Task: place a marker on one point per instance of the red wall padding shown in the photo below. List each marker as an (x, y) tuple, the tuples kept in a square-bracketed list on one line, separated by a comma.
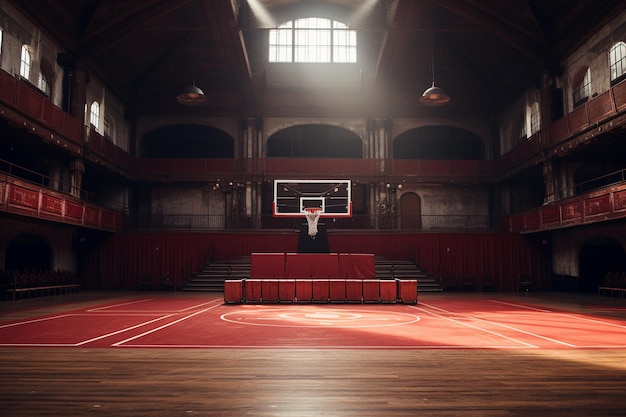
[(357, 265), (125, 260), (267, 265)]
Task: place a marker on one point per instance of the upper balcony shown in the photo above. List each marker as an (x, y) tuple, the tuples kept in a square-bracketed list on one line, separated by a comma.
[(601, 205), (32, 200), (27, 108)]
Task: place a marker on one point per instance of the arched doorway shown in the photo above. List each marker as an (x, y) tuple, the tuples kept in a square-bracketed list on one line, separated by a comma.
[(596, 258), (410, 211), (28, 252)]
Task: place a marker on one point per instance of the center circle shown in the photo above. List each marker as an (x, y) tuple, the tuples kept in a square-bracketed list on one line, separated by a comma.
[(305, 316), (322, 316)]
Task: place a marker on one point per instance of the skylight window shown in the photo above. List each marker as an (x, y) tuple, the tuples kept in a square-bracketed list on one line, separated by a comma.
[(312, 40)]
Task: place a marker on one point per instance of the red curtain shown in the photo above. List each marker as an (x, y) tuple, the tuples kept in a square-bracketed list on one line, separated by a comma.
[(125, 261)]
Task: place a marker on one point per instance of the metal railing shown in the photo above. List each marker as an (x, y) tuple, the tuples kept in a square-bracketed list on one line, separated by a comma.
[(612, 178)]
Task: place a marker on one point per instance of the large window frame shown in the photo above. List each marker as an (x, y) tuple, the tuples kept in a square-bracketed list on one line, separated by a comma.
[(617, 62), (26, 61), (312, 40)]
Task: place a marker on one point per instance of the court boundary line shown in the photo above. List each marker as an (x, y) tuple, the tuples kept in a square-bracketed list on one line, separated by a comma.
[(507, 327), (95, 310), (326, 347), (125, 330), (425, 308), (104, 336), (562, 314), (580, 317), (121, 342), (528, 345), (541, 310)]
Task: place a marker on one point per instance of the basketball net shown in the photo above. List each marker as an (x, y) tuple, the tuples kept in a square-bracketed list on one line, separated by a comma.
[(312, 216)]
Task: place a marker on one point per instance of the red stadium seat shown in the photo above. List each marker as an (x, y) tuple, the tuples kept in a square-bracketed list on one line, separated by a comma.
[(371, 291), (253, 290), (407, 291), (304, 290), (354, 290), (269, 290), (337, 290), (233, 291), (320, 290), (388, 291), (286, 290)]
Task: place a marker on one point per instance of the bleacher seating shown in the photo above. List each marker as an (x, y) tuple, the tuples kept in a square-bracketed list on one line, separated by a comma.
[(317, 278), (37, 283), (613, 284), (320, 290)]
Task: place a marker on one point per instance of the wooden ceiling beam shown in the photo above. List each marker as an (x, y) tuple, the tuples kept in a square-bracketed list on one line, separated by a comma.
[(222, 17), (512, 33), (97, 41), (403, 23)]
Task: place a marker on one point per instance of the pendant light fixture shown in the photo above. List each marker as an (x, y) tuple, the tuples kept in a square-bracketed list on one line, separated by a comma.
[(192, 95), (433, 96)]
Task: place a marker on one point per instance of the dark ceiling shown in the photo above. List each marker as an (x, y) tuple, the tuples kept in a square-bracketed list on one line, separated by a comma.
[(485, 51)]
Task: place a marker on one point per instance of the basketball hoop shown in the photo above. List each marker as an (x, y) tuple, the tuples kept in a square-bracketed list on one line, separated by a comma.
[(312, 215)]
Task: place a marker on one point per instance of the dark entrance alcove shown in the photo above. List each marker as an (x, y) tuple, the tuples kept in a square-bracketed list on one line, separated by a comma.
[(27, 252), (597, 257)]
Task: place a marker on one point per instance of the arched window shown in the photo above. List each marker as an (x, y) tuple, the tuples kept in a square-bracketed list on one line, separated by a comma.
[(582, 88), (617, 62), (438, 143), (187, 141), (94, 115), (312, 39), (25, 62), (314, 141)]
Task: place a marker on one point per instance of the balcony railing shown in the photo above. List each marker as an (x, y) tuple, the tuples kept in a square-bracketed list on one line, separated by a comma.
[(55, 185), (217, 222), (604, 204), (31, 200)]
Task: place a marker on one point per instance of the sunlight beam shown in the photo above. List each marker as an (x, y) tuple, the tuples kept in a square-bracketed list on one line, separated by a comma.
[(261, 13)]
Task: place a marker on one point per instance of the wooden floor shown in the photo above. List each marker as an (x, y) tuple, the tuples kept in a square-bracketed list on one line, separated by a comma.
[(299, 383)]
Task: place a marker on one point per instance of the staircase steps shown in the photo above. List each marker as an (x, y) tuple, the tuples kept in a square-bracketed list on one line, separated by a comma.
[(405, 269), (211, 278)]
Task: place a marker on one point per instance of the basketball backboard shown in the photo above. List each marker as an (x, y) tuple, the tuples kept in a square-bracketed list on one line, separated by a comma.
[(293, 197)]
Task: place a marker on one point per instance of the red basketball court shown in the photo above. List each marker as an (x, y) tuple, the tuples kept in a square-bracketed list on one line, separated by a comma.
[(436, 322)]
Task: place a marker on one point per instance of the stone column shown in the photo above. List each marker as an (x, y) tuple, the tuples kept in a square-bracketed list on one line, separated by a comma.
[(252, 150), (78, 99), (77, 169), (378, 131)]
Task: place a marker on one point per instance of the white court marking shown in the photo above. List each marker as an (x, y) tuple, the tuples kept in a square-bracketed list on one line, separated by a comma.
[(339, 318), (528, 333)]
